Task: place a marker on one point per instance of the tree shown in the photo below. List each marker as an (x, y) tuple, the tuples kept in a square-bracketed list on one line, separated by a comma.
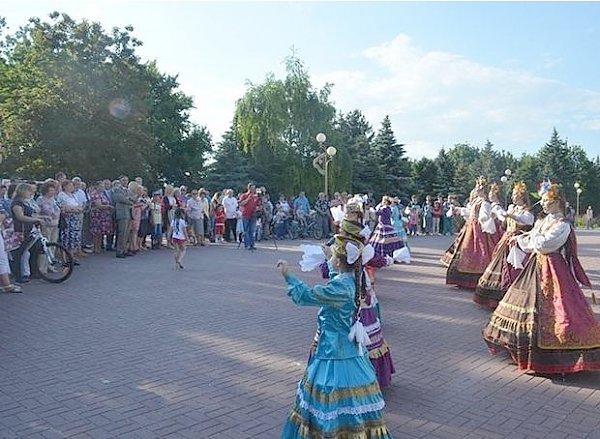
[(276, 123), (392, 169), (231, 166), (77, 99), (357, 134), (463, 158)]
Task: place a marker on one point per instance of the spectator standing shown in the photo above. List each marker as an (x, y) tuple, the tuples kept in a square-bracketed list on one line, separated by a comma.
[(48, 207), (24, 218), (250, 203), (82, 197), (589, 217), (230, 205), (569, 214), (436, 214), (136, 216), (5, 285), (156, 219), (124, 201), (196, 216), (219, 223), (101, 216), (71, 219), (214, 203), (110, 237), (5, 201), (322, 208)]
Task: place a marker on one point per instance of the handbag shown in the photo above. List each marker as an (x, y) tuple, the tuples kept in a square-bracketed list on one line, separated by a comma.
[(12, 239)]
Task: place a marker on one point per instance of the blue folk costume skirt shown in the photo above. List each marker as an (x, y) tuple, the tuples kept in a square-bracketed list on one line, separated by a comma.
[(337, 399)]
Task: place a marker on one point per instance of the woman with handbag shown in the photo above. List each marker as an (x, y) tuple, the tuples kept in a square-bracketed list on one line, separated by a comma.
[(24, 218)]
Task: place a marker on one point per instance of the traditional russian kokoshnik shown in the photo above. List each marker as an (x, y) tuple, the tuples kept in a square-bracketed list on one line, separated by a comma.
[(338, 396), (544, 321)]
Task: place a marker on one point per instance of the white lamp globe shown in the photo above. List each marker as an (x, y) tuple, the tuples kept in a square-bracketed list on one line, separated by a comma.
[(331, 151), (503, 179), (576, 185), (508, 172), (579, 191), (321, 138)]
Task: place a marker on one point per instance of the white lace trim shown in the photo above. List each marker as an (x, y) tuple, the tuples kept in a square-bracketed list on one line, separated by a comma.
[(333, 414), (373, 327)]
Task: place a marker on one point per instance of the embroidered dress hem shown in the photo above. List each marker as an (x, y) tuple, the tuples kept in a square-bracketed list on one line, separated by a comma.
[(545, 322), (337, 399)]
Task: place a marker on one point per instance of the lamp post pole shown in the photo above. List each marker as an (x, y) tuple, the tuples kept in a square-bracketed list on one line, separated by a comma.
[(578, 190), (327, 155), (504, 179)]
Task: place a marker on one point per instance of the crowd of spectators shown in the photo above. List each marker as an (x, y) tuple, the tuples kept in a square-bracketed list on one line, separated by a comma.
[(124, 217)]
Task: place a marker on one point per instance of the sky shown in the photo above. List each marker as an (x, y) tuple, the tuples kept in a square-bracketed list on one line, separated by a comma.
[(445, 72)]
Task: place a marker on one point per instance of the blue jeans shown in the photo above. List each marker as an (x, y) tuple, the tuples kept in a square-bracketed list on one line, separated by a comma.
[(249, 232)]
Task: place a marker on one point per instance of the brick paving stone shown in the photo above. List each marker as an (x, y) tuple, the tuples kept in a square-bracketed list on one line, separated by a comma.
[(133, 349)]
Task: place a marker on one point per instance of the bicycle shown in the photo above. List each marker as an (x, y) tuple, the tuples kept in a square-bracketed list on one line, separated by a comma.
[(51, 261), (307, 229)]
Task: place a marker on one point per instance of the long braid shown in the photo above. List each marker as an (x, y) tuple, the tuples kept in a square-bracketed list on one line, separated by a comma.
[(360, 285)]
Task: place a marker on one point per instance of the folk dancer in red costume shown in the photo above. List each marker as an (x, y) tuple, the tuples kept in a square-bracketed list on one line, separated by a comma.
[(544, 321), (505, 266), (472, 250)]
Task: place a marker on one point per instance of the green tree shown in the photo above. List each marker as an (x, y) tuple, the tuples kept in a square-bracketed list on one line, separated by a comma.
[(357, 134), (76, 98), (392, 171), (230, 168), (276, 123)]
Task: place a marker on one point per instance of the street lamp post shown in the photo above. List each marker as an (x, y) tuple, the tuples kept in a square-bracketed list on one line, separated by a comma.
[(578, 190), (504, 179), (326, 156)]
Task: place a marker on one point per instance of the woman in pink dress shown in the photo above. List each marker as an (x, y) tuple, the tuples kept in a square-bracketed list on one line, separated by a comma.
[(472, 250), (101, 221)]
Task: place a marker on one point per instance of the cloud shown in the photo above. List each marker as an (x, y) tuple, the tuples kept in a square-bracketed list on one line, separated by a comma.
[(440, 98)]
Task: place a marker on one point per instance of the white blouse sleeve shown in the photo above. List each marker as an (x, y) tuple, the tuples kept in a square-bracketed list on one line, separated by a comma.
[(547, 242), (485, 218), (524, 218), (498, 212)]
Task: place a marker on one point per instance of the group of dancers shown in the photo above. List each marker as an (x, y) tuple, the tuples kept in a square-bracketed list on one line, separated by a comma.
[(529, 275)]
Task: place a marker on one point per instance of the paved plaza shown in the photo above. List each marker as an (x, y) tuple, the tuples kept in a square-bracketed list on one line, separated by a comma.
[(135, 349)]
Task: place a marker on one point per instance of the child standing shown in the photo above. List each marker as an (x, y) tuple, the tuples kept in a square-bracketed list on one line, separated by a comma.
[(179, 236), (219, 223), (156, 219)]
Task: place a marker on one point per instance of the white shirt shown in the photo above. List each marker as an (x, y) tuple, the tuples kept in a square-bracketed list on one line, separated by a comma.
[(230, 205), (547, 236), (178, 226), (80, 196), (68, 200)]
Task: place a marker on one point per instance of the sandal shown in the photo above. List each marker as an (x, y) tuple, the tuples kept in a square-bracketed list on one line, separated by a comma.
[(12, 288)]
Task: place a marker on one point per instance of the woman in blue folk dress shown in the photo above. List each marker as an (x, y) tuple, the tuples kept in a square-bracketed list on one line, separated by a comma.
[(338, 396)]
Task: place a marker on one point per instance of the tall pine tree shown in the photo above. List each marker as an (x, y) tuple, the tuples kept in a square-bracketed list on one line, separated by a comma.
[(392, 168)]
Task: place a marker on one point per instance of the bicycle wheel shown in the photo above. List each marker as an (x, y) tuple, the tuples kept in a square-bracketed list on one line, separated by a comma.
[(293, 231), (317, 232), (58, 263)]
